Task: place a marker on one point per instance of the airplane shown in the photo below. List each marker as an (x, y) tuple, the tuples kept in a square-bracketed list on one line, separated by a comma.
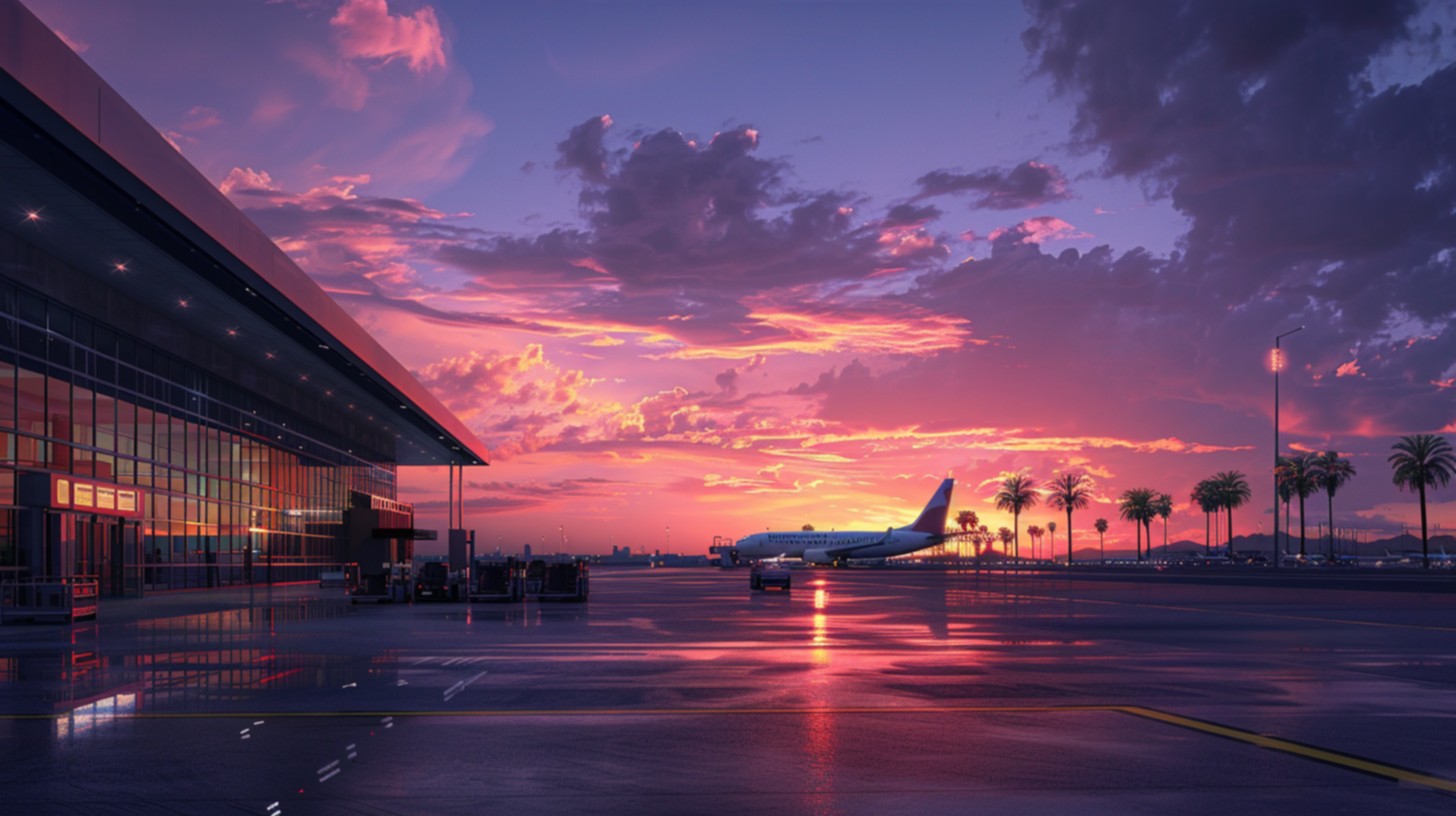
[(1409, 557), (837, 547)]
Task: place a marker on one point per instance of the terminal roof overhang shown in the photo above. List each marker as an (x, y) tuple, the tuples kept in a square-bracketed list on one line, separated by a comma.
[(114, 191)]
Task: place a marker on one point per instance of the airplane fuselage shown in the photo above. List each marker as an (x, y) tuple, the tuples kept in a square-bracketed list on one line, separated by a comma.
[(806, 545), (836, 547)]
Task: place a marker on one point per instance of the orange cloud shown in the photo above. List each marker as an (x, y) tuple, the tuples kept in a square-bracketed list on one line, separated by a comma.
[(907, 330)]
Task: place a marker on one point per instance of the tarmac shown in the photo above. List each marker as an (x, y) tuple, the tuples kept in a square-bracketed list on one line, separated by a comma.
[(680, 691)]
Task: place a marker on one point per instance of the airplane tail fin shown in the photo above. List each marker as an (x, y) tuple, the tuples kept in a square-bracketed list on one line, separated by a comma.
[(932, 518)]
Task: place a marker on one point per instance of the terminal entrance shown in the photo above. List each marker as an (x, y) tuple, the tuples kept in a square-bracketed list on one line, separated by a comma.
[(81, 530), (101, 546)]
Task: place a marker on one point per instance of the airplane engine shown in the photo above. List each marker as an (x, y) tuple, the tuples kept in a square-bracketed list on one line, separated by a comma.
[(818, 557)]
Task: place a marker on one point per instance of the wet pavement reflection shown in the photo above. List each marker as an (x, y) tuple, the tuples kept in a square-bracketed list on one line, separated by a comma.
[(682, 691)]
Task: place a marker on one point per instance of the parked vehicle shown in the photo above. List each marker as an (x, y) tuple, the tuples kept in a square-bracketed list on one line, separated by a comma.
[(765, 576), (435, 582), (347, 576), (497, 580), (383, 586), (559, 581)]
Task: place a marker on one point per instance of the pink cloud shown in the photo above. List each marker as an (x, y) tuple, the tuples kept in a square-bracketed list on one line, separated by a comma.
[(347, 84), (366, 30), (440, 151), (201, 117), (350, 242), (1039, 230), (519, 402), (901, 241), (271, 107), (242, 179)]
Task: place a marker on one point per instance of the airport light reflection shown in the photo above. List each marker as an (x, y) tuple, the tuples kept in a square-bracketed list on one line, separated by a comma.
[(85, 718), (821, 626)]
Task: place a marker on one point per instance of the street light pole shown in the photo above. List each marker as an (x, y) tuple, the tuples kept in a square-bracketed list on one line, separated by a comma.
[(1278, 364)]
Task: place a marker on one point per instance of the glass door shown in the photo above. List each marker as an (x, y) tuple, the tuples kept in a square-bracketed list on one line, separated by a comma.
[(126, 559)]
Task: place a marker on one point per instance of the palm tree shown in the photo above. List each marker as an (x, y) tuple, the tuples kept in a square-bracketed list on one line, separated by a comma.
[(1052, 531), (1203, 496), (1035, 533), (983, 537), (1163, 506), (966, 519), (1297, 472), (1070, 491), (1006, 537), (1148, 522), (1101, 526), (1018, 492), (1422, 460), (1332, 471), (1285, 488), (1233, 491), (1136, 505)]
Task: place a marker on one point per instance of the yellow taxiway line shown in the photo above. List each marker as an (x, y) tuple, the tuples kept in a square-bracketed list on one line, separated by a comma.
[(1330, 757)]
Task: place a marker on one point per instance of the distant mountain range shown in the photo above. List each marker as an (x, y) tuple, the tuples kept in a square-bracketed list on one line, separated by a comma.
[(1312, 544), (1261, 542)]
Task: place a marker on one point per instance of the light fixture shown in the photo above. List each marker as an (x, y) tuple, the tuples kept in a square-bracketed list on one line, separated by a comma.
[(32, 216)]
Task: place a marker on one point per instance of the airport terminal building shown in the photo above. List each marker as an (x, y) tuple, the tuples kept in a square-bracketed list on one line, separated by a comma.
[(180, 405)]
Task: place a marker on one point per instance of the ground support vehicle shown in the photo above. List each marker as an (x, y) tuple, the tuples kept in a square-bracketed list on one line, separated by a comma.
[(558, 580), (434, 581), (497, 580), (384, 586), (346, 577), (769, 576)]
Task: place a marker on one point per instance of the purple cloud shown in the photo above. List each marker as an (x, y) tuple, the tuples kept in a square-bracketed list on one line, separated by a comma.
[(1029, 184)]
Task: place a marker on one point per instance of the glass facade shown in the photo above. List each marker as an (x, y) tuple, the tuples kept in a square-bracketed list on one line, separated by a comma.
[(243, 475)]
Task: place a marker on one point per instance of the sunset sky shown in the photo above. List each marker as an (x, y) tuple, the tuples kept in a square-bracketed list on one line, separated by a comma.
[(722, 267)]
